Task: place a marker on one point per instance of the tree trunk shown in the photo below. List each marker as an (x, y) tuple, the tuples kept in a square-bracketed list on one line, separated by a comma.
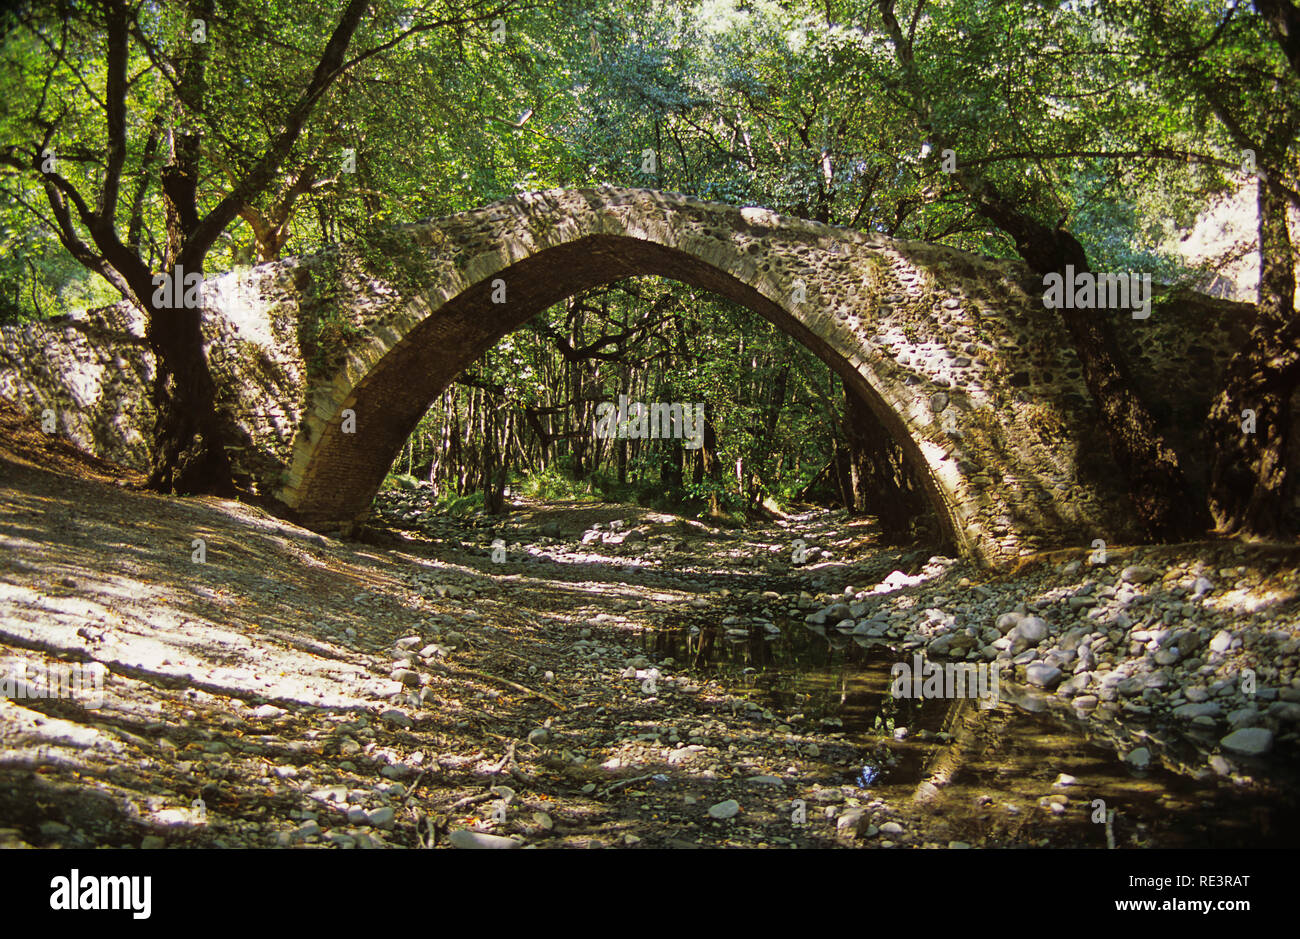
[(189, 454), (880, 482), (709, 464), (1248, 478)]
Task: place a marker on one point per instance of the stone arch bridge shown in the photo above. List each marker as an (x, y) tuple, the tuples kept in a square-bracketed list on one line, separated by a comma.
[(955, 354)]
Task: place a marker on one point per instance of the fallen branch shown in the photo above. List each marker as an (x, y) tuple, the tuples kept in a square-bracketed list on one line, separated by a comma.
[(483, 676), (410, 794), (509, 757), (471, 800), (626, 782)]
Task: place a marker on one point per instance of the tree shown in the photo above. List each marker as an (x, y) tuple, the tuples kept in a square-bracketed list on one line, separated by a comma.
[(1158, 487), (126, 93), (1242, 69)]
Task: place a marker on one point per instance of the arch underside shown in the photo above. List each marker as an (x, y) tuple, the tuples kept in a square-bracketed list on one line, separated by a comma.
[(344, 471), (955, 355)]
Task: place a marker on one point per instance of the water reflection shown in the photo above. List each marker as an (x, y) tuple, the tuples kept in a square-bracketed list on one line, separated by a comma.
[(991, 776)]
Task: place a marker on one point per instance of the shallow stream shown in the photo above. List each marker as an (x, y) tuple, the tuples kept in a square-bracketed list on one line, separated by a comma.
[(990, 775)]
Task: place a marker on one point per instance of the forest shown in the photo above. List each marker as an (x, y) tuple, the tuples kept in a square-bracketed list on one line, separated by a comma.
[(1087, 134)]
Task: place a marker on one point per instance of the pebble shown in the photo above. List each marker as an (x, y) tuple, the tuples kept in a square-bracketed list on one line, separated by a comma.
[(1249, 741), (308, 829), (406, 676), (852, 823), (728, 809), (1139, 574), (463, 838), (1043, 675), (1008, 621), (394, 716)]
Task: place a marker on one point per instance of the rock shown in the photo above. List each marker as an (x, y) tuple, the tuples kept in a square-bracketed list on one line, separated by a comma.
[(1287, 711), (852, 823), (1045, 676), (1033, 628), (356, 815), (1008, 621), (406, 676), (1065, 779), (728, 809), (539, 736), (1139, 758), (382, 817), (1243, 717), (268, 712), (1139, 574), (891, 828), (463, 838), (308, 829), (766, 780), (1196, 709), (1221, 642), (941, 646), (926, 792), (1167, 657), (395, 717), (1249, 741)]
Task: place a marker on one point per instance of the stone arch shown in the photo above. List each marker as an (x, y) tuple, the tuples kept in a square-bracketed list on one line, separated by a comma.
[(953, 353)]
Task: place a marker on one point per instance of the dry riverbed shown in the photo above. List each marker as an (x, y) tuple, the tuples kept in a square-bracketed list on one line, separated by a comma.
[(611, 676)]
